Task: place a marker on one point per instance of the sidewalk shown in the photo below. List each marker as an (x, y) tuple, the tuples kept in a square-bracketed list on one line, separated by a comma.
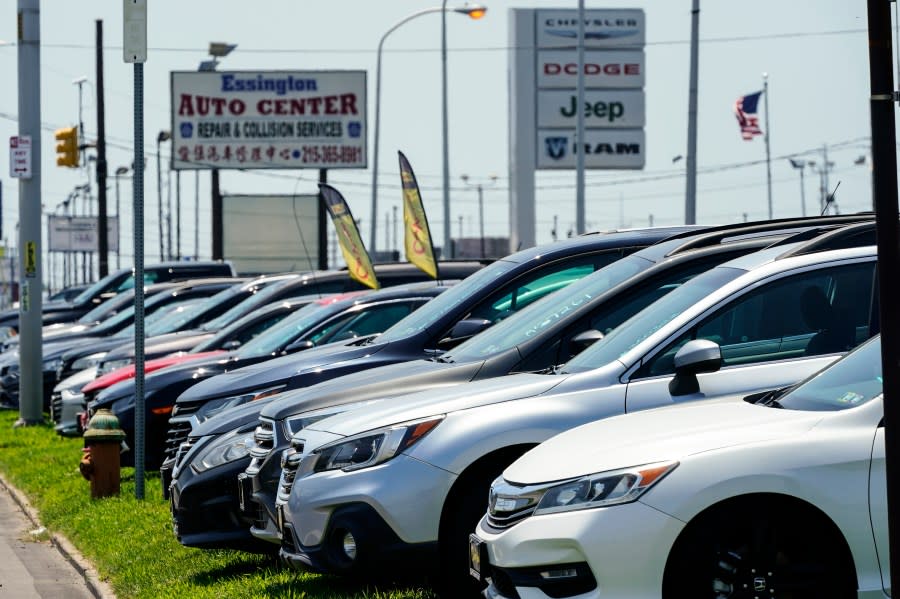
[(34, 564)]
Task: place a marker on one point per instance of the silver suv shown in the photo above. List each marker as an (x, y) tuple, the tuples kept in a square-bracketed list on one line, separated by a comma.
[(376, 487)]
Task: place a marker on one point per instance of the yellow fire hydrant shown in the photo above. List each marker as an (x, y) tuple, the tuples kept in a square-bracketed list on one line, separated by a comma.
[(101, 462)]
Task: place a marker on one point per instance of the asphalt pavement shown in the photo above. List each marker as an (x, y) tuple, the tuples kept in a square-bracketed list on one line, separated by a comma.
[(35, 564)]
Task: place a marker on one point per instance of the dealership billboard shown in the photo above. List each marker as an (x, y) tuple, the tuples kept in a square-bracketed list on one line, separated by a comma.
[(268, 119), (544, 106), (79, 233)]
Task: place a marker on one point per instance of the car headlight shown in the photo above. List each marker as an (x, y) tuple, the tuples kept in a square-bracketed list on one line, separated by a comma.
[(51, 365), (105, 367), (215, 406), (87, 361), (373, 447), (228, 448), (603, 489)]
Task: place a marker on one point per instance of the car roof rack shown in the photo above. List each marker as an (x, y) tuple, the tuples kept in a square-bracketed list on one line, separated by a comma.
[(715, 235), (848, 236)]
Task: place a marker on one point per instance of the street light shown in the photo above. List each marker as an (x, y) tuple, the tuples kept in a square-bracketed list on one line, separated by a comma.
[(480, 188), (474, 12), (160, 138), (801, 166), (119, 172)]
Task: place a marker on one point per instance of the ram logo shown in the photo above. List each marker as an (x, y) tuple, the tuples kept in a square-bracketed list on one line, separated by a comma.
[(556, 147)]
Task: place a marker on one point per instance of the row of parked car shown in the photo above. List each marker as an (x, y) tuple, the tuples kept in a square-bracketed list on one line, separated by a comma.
[(498, 436)]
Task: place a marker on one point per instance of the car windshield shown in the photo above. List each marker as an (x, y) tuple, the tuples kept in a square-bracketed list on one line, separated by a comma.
[(850, 382), (95, 289), (428, 314), (174, 320), (260, 298), (649, 320), (286, 331), (546, 312), (152, 317), (102, 311)]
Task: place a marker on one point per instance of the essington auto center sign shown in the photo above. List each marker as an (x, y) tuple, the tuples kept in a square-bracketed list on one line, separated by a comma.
[(268, 119)]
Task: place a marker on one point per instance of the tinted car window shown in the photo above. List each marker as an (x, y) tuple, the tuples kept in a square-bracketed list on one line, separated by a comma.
[(813, 313)]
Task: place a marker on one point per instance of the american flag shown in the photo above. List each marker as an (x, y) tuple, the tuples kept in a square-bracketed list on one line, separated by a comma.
[(745, 111)]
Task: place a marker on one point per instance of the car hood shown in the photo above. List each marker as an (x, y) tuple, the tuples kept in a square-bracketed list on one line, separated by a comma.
[(375, 383), (438, 401), (271, 372), (164, 377), (127, 372), (231, 419), (669, 433)]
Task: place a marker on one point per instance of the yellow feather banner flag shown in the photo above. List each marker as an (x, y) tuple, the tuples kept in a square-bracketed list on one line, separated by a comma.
[(355, 255), (417, 243)]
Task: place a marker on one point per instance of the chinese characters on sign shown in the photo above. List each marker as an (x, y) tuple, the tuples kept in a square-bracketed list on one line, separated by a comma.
[(269, 119)]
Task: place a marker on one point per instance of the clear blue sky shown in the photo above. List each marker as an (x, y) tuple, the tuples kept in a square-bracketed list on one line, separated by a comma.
[(814, 51)]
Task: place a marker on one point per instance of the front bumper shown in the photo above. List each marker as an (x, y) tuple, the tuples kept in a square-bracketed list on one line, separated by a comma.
[(392, 507), (205, 510), (66, 406), (624, 549)]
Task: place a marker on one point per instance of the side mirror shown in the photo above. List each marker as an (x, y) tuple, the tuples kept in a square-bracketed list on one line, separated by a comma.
[(298, 346), (695, 357), (462, 330), (584, 340)]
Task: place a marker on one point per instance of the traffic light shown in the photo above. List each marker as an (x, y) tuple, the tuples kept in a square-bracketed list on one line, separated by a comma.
[(67, 148)]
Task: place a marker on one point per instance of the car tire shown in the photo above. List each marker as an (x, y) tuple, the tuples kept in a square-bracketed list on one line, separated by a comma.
[(760, 549)]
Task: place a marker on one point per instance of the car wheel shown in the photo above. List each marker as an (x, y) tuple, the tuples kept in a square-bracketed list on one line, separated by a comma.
[(759, 551)]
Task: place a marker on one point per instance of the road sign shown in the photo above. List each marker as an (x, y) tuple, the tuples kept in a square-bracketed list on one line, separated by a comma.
[(20, 156)]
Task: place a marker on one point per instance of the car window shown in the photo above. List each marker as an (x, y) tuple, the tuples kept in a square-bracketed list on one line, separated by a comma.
[(814, 313), (150, 277), (849, 382), (368, 322)]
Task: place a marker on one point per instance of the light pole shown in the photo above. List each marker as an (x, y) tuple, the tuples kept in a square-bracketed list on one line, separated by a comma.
[(473, 12), (160, 138), (119, 172), (216, 50), (480, 188), (801, 166)]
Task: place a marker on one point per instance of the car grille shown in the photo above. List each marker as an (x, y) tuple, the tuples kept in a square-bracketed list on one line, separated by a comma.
[(262, 517), (179, 429), (183, 450), (290, 461), (509, 504), (263, 444), (510, 519), (56, 407)]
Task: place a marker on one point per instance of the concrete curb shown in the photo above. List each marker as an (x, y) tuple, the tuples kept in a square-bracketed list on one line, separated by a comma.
[(97, 587)]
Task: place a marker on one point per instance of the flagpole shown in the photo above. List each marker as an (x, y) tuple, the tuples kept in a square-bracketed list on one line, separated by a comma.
[(768, 155)]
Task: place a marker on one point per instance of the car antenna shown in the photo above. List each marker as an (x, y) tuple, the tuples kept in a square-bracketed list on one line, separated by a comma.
[(830, 200)]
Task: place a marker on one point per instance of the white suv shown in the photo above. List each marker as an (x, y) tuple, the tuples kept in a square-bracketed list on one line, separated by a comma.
[(782, 497), (380, 486)]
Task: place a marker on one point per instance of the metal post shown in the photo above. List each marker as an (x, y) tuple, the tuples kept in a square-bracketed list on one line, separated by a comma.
[(690, 199), (884, 174), (102, 227), (444, 135), (178, 215), (218, 250), (159, 217), (375, 142), (30, 306), (768, 155), (802, 192), (138, 211), (579, 127), (118, 228), (481, 216), (323, 224), (196, 215), (169, 214)]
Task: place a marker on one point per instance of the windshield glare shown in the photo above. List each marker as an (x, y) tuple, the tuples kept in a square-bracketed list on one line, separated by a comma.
[(546, 312), (285, 332), (428, 314), (246, 306), (651, 319), (849, 382), (152, 317)]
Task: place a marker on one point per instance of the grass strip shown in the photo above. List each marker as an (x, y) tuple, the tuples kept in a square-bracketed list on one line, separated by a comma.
[(130, 542)]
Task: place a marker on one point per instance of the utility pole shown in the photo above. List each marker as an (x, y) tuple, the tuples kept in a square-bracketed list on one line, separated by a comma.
[(690, 208)]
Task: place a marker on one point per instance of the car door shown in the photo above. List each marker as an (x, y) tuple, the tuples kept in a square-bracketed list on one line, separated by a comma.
[(878, 506), (769, 338)]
